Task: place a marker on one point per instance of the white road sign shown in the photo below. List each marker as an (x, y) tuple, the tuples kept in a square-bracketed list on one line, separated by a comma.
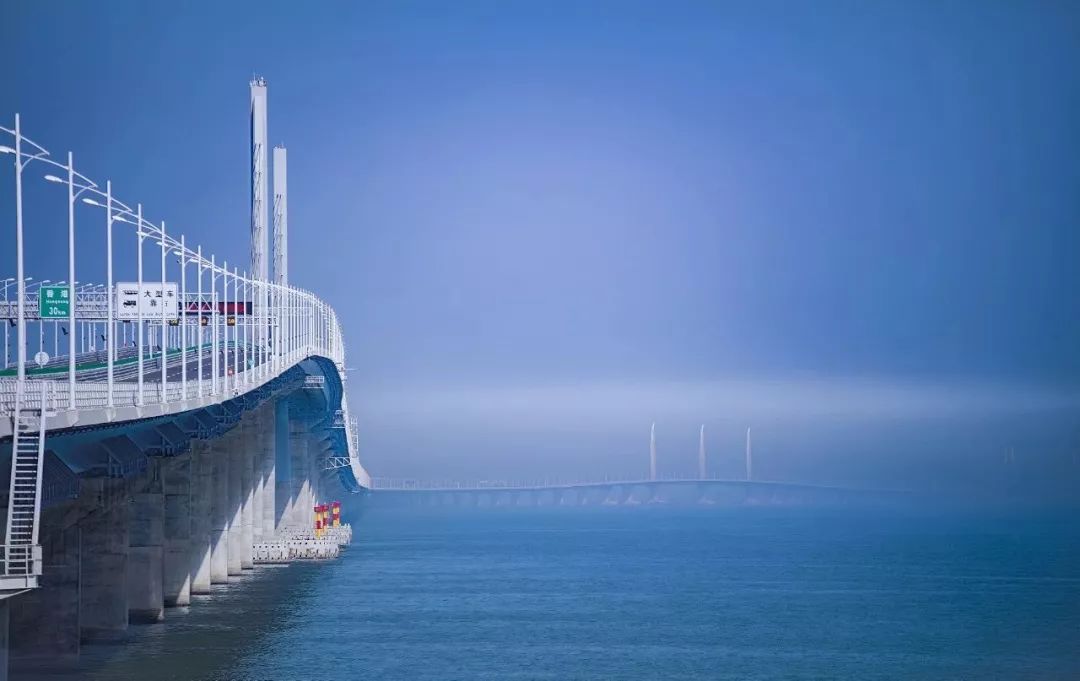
[(154, 299)]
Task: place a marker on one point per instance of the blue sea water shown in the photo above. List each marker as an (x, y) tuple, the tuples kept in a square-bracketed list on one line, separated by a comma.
[(644, 593)]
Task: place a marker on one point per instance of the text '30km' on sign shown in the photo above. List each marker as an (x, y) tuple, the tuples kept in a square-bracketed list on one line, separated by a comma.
[(54, 302)]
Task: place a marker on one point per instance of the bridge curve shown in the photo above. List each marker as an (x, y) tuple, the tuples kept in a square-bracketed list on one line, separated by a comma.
[(188, 425)]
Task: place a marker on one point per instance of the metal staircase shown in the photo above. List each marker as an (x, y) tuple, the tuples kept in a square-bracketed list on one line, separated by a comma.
[(21, 551)]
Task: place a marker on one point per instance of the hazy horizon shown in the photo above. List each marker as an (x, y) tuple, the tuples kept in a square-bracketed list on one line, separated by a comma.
[(544, 226)]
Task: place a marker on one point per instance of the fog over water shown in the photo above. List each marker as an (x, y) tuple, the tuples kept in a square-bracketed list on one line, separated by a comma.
[(893, 434)]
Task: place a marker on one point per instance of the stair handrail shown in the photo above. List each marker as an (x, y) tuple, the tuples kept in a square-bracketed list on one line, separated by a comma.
[(20, 388), (45, 387)]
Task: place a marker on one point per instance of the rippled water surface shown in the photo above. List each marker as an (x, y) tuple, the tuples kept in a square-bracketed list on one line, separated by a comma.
[(641, 594)]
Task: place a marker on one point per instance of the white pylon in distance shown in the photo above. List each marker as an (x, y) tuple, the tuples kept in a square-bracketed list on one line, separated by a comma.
[(749, 457), (701, 454), (652, 452)]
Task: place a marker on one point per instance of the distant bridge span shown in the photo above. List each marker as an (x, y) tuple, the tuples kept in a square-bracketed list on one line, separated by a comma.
[(706, 491)]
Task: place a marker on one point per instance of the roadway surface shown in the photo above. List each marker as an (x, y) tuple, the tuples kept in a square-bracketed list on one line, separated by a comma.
[(91, 367)]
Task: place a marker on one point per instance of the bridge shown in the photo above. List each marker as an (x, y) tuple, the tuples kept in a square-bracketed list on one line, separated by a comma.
[(614, 492), (627, 490), (190, 422)]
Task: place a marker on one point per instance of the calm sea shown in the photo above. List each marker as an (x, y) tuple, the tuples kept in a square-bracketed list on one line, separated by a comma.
[(642, 593)]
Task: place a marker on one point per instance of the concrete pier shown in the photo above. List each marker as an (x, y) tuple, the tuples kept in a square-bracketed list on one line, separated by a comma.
[(235, 506), (220, 514), (103, 597), (300, 484), (258, 474), (146, 540), (202, 489), (246, 461), (268, 456), (176, 480), (283, 500)]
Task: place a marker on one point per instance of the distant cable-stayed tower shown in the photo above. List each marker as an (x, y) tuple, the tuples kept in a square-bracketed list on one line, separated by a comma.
[(652, 452), (749, 457), (281, 217), (701, 454)]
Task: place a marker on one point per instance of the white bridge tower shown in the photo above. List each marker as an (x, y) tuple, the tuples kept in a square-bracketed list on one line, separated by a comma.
[(258, 180), (652, 452), (749, 457), (701, 453)]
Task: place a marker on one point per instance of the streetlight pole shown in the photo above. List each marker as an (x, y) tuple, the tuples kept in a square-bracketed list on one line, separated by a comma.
[(71, 280), (213, 328), (110, 344), (20, 334), (243, 328), (164, 328), (199, 332), (139, 231), (236, 327), (72, 195), (182, 303), (19, 275), (110, 325), (225, 359)]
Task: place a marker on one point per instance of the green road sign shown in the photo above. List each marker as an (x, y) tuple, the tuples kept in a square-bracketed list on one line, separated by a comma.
[(53, 302)]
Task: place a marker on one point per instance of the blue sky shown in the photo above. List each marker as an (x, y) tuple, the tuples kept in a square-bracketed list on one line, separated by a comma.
[(558, 200)]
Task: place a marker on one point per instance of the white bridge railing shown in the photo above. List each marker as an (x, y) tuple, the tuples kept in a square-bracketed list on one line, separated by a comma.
[(225, 333), (97, 395)]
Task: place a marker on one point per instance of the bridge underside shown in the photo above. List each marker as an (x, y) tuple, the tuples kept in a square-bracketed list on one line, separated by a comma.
[(139, 515)]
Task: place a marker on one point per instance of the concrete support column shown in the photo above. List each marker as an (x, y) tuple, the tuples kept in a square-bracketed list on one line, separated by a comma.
[(283, 501), (220, 510), (103, 602), (146, 540), (177, 483), (202, 493), (236, 500), (246, 452), (267, 449), (299, 435), (258, 474)]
